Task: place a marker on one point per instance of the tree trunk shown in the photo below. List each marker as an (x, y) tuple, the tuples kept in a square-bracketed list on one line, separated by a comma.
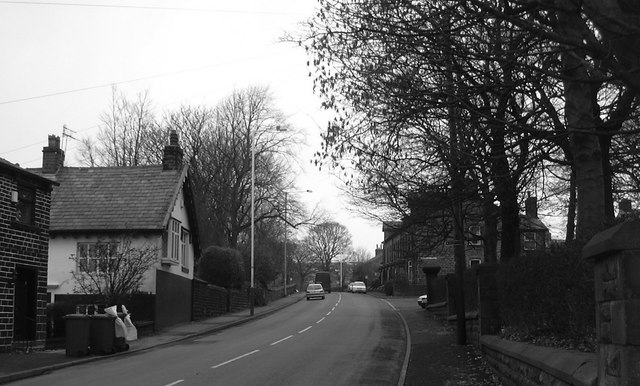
[(584, 142), (507, 195), (490, 234), (571, 211)]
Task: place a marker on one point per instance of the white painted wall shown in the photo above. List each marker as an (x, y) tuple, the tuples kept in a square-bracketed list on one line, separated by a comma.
[(60, 266)]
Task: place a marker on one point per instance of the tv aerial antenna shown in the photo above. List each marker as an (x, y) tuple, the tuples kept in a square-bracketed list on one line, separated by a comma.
[(66, 134)]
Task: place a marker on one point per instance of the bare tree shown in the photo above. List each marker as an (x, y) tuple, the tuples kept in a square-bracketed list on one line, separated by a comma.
[(358, 255), (327, 241), (112, 269), (302, 261), (126, 134), (244, 122)]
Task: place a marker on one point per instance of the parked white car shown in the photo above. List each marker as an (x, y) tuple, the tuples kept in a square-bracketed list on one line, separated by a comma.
[(359, 286), (422, 301)]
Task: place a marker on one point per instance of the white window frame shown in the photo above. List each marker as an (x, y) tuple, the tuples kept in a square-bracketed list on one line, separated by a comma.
[(171, 248), (85, 250), (185, 243), (474, 261)]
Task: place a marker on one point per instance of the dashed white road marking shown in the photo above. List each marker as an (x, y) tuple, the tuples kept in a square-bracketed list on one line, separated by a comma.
[(281, 340), (272, 344), (175, 383), (234, 359)]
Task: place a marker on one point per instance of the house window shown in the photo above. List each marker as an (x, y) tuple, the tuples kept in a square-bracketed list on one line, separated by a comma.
[(96, 257), (475, 235), (26, 205), (529, 241), (474, 262), (185, 241), (173, 240), (171, 243)]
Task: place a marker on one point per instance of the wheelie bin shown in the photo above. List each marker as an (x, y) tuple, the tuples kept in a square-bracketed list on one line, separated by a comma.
[(77, 330), (103, 333)]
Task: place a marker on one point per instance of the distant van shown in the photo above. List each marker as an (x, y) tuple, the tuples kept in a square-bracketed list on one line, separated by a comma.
[(324, 278)]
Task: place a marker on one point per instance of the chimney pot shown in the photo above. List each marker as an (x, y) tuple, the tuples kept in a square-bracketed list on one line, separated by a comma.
[(52, 156), (172, 159)]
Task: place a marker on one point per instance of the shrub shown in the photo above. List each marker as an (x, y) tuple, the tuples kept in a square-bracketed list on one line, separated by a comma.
[(548, 294), (222, 267)]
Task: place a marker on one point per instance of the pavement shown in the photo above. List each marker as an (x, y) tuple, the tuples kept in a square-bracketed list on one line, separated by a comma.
[(435, 358)]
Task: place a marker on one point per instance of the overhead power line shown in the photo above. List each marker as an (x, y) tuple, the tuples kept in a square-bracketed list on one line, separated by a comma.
[(155, 8), (110, 84)]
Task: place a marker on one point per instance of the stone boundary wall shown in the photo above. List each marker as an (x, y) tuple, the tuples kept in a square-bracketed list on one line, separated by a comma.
[(521, 364)]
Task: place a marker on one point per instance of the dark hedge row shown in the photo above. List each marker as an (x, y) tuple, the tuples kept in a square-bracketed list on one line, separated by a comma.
[(550, 294)]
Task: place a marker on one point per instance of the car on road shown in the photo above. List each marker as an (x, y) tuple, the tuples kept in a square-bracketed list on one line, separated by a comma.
[(315, 290), (359, 286), (350, 287), (422, 301)]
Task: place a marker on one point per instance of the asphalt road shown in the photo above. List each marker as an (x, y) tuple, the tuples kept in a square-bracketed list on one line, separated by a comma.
[(346, 339)]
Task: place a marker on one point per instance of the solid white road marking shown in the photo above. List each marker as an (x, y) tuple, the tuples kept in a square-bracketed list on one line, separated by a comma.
[(281, 340), (328, 313), (234, 359), (391, 305), (320, 320), (175, 383), (301, 331)]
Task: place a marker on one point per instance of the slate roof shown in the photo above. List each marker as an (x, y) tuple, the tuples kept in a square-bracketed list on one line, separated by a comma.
[(114, 198), (15, 168)]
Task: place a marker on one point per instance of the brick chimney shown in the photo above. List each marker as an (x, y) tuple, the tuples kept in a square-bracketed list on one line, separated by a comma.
[(531, 207), (52, 156), (172, 159)]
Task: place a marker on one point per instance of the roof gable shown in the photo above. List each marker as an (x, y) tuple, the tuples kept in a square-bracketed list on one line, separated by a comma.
[(114, 198)]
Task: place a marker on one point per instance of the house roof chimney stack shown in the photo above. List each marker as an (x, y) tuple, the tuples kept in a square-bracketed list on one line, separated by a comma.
[(172, 159), (52, 156), (531, 206)]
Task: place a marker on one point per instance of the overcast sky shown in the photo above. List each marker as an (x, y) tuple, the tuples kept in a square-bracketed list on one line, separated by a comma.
[(59, 60)]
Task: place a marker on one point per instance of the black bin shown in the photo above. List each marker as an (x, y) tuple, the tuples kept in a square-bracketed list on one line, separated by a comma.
[(103, 334), (77, 330)]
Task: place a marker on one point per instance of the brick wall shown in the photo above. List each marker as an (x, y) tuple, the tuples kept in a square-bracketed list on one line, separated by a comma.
[(208, 300), (22, 248)]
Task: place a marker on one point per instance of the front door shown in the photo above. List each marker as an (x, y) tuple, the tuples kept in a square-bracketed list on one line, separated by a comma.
[(25, 306)]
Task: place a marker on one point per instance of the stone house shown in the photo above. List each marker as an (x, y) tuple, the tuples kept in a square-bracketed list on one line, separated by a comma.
[(410, 248), (25, 200), (152, 205)]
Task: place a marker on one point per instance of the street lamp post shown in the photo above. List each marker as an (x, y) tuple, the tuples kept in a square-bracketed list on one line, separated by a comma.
[(253, 219), (284, 270)]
